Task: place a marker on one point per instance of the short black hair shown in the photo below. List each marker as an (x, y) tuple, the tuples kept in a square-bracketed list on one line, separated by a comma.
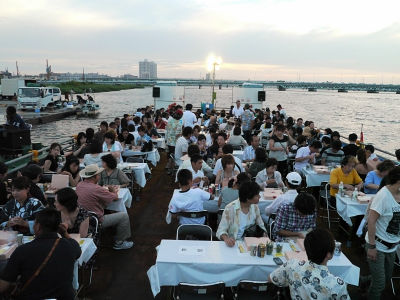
[(261, 155), (187, 131), (95, 147), (201, 137), (110, 135), (394, 175), (316, 144), (21, 183), (301, 139), (336, 145), (68, 198), (3, 168), (32, 171), (89, 133), (305, 203), (386, 165), (237, 130), (248, 191), (104, 123), (55, 145), (131, 127), (184, 176), (141, 129), (193, 149), (326, 139), (271, 162), (110, 161), (318, 243), (189, 106), (353, 137), (195, 158), (397, 153), (49, 220), (124, 129), (227, 149), (11, 110), (328, 131), (223, 134), (335, 133), (370, 148)]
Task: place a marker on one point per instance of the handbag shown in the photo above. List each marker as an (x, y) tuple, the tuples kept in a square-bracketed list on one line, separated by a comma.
[(253, 231)]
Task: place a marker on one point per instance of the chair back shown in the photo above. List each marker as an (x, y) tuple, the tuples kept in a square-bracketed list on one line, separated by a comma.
[(135, 159), (194, 232), (94, 224), (247, 289), (192, 214), (237, 147), (202, 291)]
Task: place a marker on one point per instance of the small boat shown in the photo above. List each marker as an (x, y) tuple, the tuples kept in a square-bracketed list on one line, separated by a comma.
[(342, 90), (89, 109), (312, 89), (281, 88), (398, 92), (372, 91)]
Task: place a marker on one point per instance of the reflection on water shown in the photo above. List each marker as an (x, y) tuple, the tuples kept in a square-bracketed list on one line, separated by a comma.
[(340, 111)]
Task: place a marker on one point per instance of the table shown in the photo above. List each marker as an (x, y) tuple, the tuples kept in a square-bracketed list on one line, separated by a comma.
[(208, 262), (124, 201), (238, 154), (160, 142), (139, 170), (152, 156), (347, 208), (313, 178)]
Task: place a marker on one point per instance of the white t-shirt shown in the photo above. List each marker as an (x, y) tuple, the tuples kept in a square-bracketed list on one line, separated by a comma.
[(302, 152), (197, 174), (191, 200), (181, 146), (242, 224), (209, 140), (115, 147), (218, 165), (237, 112), (189, 119), (388, 223)]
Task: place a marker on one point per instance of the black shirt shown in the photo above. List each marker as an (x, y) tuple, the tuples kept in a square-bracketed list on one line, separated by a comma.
[(350, 149), (37, 193), (54, 163), (3, 193), (55, 279), (129, 139)]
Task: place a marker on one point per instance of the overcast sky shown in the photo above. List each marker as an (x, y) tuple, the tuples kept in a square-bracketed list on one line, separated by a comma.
[(310, 40)]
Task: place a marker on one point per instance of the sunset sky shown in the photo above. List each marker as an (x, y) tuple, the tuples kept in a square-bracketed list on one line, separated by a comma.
[(308, 40)]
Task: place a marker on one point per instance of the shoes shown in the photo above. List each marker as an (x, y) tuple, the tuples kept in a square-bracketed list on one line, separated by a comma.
[(122, 245)]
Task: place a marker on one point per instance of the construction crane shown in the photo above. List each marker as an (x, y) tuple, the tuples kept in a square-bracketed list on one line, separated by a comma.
[(48, 69), (16, 64)]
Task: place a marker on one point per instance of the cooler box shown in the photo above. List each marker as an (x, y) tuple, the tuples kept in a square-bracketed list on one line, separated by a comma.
[(204, 106)]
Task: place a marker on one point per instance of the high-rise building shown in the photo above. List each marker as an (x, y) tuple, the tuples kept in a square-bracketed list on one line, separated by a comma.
[(147, 69)]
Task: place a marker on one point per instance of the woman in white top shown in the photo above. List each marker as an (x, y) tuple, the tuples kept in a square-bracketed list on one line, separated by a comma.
[(113, 146), (94, 155), (236, 139), (270, 177), (228, 171)]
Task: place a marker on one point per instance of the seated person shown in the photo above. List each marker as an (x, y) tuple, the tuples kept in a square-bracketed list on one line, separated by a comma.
[(51, 160), (228, 170), (197, 174), (335, 136), (363, 166), (326, 144), (193, 149), (351, 148), (142, 137), (188, 199), (249, 153), (75, 219), (370, 149), (346, 174), (397, 153), (201, 142), (231, 192), (294, 219), (236, 139), (240, 214), (94, 155), (307, 155), (80, 148), (4, 195), (316, 280), (374, 178), (19, 212), (270, 177), (112, 146), (71, 168), (333, 155), (111, 175), (293, 183), (259, 162), (228, 149), (54, 281), (182, 144), (34, 173), (95, 198), (215, 151), (126, 138)]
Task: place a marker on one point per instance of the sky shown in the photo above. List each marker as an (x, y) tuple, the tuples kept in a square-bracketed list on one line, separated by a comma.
[(307, 40)]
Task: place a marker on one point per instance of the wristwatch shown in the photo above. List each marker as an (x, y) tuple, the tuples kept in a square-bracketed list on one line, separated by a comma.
[(369, 246)]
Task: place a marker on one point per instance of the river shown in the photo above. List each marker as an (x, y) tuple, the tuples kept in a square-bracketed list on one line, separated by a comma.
[(344, 112)]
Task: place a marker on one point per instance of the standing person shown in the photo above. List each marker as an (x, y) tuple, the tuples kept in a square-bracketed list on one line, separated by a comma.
[(173, 131), (237, 111), (306, 155), (182, 145), (189, 118), (247, 122), (383, 235), (278, 148), (51, 160), (14, 119), (54, 281)]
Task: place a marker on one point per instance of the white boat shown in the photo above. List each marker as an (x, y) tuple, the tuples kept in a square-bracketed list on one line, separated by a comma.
[(89, 109)]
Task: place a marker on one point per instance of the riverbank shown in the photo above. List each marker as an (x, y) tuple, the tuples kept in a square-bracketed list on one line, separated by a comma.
[(92, 87)]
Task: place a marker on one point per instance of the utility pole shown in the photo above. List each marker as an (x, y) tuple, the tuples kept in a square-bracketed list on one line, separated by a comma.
[(16, 64)]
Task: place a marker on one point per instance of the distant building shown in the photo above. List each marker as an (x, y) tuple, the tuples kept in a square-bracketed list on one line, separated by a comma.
[(128, 76), (147, 69), (208, 76)]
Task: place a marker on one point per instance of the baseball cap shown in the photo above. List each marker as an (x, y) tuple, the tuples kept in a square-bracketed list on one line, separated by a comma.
[(294, 178)]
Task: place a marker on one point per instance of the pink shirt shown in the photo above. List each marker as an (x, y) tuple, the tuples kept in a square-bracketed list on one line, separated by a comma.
[(93, 197)]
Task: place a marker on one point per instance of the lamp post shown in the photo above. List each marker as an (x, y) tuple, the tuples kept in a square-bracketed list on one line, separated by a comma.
[(213, 65)]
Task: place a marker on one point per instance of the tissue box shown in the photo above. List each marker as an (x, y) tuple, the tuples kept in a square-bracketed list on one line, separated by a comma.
[(255, 241), (271, 194), (364, 199), (321, 169), (301, 255)]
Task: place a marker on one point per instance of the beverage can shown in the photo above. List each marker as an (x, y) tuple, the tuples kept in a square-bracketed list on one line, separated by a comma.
[(253, 250), (338, 248), (261, 250)]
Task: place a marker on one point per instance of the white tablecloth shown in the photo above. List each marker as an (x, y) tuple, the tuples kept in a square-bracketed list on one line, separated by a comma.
[(238, 154), (152, 156), (124, 201), (313, 178), (160, 142), (208, 262), (139, 171), (347, 208)]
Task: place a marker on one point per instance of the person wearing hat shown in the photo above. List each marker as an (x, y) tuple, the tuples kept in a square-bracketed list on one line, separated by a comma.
[(293, 180), (95, 198)]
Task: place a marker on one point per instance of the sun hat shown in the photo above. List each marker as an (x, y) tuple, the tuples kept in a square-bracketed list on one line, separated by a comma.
[(90, 171), (294, 178)]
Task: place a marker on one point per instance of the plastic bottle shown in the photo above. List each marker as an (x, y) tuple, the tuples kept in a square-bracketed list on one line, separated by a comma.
[(341, 189), (355, 194)]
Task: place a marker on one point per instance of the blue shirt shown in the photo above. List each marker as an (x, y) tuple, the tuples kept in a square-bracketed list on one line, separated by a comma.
[(373, 178)]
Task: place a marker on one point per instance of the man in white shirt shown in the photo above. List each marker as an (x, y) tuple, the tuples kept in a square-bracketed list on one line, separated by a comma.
[(237, 110), (228, 149), (249, 153), (189, 118), (182, 144), (188, 199), (307, 155), (197, 174)]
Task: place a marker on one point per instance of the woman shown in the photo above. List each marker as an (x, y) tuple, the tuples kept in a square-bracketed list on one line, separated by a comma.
[(73, 217), (89, 135), (374, 178), (383, 234), (270, 177), (240, 214), (236, 139), (228, 171), (80, 147), (202, 143), (196, 133), (19, 213), (71, 168), (111, 175), (362, 167), (173, 131), (51, 160), (259, 162), (278, 148), (113, 146), (151, 131), (231, 192), (221, 117), (95, 154), (160, 123)]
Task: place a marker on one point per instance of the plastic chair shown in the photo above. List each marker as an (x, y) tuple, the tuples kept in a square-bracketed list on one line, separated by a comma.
[(186, 291), (248, 289), (237, 147), (324, 196), (135, 159), (194, 232), (192, 214), (395, 278)]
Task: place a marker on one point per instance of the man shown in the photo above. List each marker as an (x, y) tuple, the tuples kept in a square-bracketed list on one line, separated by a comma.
[(311, 279), (54, 281), (99, 135), (197, 174), (34, 173), (295, 219), (237, 111), (216, 148), (228, 149), (351, 148), (95, 198), (397, 153), (247, 122), (142, 137), (3, 187), (193, 150), (182, 144), (369, 150), (333, 155), (249, 153), (126, 138), (188, 199), (117, 122), (306, 155), (299, 123), (189, 118), (281, 111)]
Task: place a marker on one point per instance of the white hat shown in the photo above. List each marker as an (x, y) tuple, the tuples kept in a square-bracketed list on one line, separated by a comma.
[(294, 178), (90, 171)]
